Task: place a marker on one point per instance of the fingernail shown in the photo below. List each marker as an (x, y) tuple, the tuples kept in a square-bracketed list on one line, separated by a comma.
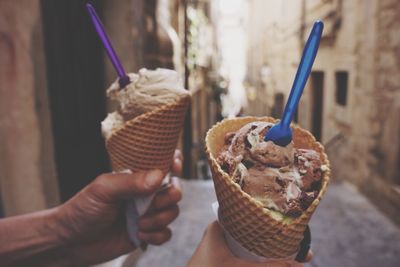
[(153, 178)]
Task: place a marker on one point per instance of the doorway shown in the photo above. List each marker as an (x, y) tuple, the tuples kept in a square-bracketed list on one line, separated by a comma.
[(278, 106), (74, 59), (317, 99)]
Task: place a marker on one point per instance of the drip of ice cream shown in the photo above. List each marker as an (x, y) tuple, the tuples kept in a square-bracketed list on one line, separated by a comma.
[(283, 179), (148, 90)]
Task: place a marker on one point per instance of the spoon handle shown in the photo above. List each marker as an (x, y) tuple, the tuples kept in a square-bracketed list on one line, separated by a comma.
[(123, 78), (303, 71)]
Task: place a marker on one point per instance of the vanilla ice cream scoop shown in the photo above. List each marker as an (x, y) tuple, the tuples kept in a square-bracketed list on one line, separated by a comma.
[(148, 90)]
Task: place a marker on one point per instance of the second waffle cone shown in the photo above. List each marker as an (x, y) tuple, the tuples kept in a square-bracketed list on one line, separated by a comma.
[(149, 140), (247, 221)]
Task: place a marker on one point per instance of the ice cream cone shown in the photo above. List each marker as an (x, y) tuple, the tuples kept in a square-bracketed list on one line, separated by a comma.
[(256, 228), (149, 140)]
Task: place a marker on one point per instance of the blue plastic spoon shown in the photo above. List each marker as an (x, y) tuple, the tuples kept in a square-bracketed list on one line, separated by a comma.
[(280, 133), (123, 78)]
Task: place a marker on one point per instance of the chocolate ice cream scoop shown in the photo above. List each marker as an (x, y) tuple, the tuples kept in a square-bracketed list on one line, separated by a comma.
[(283, 179), (308, 164), (249, 143)]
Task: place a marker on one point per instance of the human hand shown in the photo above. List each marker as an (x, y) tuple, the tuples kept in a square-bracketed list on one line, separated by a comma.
[(213, 252), (93, 223)]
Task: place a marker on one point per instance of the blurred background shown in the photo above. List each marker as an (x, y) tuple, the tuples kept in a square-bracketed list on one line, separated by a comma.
[(237, 57)]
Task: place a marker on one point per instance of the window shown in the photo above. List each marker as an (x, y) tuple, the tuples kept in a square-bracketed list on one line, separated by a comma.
[(342, 78), (317, 97)]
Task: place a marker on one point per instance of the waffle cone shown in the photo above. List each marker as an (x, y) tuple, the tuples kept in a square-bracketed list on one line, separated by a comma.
[(149, 140), (247, 221)]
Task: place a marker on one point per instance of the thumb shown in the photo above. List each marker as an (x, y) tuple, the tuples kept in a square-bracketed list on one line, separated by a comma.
[(216, 238), (122, 186)]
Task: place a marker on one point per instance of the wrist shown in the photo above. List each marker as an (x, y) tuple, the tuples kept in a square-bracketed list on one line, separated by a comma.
[(33, 237), (67, 237), (59, 227), (63, 237)]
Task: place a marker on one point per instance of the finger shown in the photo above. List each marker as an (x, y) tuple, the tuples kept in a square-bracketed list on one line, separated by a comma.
[(214, 237), (215, 241), (121, 186), (158, 220), (286, 264), (177, 160), (309, 256), (168, 197), (155, 238), (210, 249)]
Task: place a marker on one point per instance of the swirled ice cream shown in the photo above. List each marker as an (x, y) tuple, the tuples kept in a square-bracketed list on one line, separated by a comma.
[(283, 179), (148, 90)]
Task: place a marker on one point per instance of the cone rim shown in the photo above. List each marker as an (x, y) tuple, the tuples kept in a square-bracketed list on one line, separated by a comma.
[(184, 100)]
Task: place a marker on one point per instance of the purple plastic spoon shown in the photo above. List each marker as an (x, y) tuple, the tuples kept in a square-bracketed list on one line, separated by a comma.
[(123, 78)]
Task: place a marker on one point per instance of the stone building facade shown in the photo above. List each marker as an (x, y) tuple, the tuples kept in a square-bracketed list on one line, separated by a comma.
[(27, 168), (352, 99)]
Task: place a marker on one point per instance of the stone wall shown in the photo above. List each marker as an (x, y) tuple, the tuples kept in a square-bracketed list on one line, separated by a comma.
[(387, 85), (27, 173), (369, 155), (385, 152)]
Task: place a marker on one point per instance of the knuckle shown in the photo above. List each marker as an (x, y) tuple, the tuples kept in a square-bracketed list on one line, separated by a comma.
[(163, 237), (167, 234), (158, 241), (172, 196), (164, 218), (100, 183), (175, 212), (176, 195), (144, 224), (102, 178), (157, 204), (139, 182), (158, 238), (169, 216)]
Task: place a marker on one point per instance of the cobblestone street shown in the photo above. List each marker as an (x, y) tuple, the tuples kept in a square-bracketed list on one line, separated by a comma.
[(347, 230)]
